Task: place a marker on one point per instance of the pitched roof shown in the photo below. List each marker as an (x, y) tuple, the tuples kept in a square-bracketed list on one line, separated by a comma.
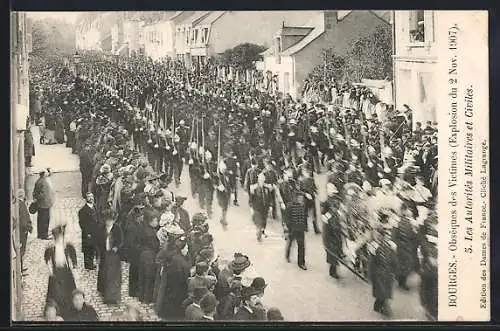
[(195, 18), (210, 18), (315, 33), (295, 30)]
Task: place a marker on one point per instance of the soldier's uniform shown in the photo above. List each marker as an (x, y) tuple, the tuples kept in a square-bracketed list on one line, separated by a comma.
[(308, 186), (177, 160), (194, 169), (233, 166), (223, 192), (208, 177)]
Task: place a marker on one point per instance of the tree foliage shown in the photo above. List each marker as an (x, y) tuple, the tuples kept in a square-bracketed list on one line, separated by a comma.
[(241, 56), (51, 39), (370, 56)]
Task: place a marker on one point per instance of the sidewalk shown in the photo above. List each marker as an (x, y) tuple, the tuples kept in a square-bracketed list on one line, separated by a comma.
[(57, 157)]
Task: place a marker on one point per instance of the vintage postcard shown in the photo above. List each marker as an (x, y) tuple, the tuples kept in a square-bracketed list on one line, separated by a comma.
[(242, 166)]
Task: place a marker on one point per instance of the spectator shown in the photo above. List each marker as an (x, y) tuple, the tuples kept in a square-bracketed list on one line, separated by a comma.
[(50, 312), (82, 311)]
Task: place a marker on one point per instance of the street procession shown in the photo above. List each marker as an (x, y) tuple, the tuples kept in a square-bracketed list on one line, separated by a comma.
[(174, 160)]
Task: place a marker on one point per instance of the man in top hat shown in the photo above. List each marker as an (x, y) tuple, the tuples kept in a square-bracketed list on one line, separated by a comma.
[(296, 219)]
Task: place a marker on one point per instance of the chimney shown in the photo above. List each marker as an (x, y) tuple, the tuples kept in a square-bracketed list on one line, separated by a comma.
[(330, 19)]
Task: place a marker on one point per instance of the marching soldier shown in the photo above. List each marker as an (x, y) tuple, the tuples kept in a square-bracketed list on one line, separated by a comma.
[(307, 185), (223, 191), (232, 164), (167, 155), (207, 182), (271, 180), (333, 218), (194, 168), (177, 160), (382, 269), (286, 189)]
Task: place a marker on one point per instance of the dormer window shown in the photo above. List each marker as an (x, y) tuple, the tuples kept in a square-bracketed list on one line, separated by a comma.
[(417, 26)]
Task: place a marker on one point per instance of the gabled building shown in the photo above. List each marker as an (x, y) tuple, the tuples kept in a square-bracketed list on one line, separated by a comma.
[(222, 30), (159, 37), (415, 62), (183, 34), (296, 50)]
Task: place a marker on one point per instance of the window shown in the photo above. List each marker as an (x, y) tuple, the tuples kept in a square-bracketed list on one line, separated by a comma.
[(195, 35), (417, 26), (205, 34)]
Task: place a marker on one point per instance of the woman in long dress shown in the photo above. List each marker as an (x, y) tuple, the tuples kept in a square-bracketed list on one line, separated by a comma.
[(60, 258), (149, 246), (174, 274), (59, 128), (109, 277)]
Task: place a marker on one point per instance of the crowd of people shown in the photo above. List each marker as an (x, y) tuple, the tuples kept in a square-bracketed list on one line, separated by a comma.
[(135, 124)]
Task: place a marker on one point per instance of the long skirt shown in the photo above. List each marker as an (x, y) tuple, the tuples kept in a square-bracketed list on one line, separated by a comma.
[(60, 288), (133, 280), (161, 284), (147, 276), (109, 277)]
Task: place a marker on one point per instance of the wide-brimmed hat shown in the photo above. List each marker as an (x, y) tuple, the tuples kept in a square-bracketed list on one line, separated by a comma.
[(240, 262)]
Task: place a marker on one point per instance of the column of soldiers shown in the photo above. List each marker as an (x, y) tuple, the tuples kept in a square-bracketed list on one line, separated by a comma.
[(241, 135)]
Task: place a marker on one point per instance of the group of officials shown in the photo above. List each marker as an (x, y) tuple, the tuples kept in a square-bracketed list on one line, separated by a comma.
[(136, 124)]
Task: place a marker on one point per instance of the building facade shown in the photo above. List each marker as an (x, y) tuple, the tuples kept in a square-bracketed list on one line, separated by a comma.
[(19, 72), (297, 50), (415, 61), (131, 36), (222, 30)]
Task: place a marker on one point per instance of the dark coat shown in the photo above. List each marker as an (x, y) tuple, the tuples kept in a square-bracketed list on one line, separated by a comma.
[(87, 219), (174, 288), (244, 315), (183, 219), (42, 193), (109, 274), (25, 225), (296, 217), (227, 306), (383, 267), (332, 232), (407, 241), (29, 146)]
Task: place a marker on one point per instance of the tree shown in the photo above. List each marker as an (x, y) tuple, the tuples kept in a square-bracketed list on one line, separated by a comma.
[(51, 40), (241, 56), (371, 56)]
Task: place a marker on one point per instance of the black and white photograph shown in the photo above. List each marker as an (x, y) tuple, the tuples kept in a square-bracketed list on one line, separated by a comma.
[(235, 166)]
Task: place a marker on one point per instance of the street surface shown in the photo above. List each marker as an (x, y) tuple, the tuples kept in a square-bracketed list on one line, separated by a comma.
[(310, 295)]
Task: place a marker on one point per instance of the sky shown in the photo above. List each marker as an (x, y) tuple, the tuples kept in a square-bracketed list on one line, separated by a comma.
[(70, 17)]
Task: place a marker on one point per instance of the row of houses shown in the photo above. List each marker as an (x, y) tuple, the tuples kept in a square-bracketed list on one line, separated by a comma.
[(294, 42)]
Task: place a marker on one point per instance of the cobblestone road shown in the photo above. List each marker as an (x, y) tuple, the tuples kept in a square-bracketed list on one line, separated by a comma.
[(301, 295)]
